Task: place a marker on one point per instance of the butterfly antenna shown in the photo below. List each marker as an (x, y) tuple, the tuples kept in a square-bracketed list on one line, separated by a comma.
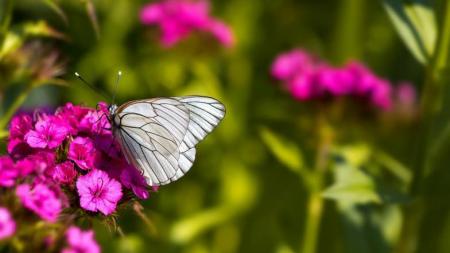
[(98, 91), (119, 75)]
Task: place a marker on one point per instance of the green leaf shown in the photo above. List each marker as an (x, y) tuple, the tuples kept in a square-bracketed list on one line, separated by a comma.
[(394, 166), (423, 19), (352, 186), (415, 22), (11, 43), (283, 149), (55, 7), (41, 29), (355, 154), (90, 9)]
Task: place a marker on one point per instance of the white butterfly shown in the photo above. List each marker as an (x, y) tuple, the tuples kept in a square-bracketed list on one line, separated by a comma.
[(158, 135)]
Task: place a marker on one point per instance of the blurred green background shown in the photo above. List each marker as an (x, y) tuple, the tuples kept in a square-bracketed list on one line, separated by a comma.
[(250, 188)]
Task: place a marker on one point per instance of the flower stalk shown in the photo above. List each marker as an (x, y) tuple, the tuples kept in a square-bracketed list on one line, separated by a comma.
[(315, 201), (431, 103)]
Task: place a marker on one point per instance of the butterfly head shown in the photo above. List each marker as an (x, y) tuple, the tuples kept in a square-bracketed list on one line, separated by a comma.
[(112, 109)]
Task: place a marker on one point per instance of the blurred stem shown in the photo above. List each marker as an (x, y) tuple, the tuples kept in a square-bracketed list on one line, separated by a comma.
[(432, 95), (315, 202), (431, 103), (5, 18), (347, 35), (14, 107), (312, 229)]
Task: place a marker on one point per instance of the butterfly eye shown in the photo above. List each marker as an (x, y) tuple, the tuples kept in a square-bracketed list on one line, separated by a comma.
[(112, 109)]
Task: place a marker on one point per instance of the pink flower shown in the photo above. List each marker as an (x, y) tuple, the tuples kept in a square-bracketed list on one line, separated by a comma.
[(307, 78), (7, 224), (8, 172), (63, 173), (336, 81), (99, 192), (72, 114), (95, 122), (19, 126), (132, 179), (107, 144), (177, 19), (81, 241), (18, 148), (41, 200), (26, 166), (406, 94), (43, 160), (381, 95), (49, 133), (290, 64), (222, 32), (82, 152), (302, 87)]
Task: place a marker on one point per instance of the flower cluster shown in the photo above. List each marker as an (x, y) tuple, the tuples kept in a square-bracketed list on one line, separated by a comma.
[(307, 78), (65, 164), (177, 19), (81, 241)]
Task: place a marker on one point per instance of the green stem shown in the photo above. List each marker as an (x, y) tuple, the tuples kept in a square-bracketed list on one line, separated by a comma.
[(443, 42), (431, 102), (5, 19), (315, 201), (347, 35), (14, 107), (312, 228)]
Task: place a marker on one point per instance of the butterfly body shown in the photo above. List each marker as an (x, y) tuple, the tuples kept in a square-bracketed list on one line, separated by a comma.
[(158, 136)]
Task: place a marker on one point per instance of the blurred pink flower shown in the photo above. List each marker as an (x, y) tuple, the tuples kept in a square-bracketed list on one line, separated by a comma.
[(406, 94), (287, 65), (64, 173), (302, 86), (8, 172), (81, 241), (132, 179), (382, 95), (336, 81), (48, 133), (82, 152), (308, 78), (99, 192), (177, 19), (222, 32), (7, 224), (41, 200)]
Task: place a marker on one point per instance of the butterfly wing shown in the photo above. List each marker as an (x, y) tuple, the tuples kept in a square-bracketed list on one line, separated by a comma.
[(205, 114), (159, 135)]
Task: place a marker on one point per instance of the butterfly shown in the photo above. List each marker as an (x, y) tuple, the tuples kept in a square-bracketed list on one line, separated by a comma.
[(158, 135)]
